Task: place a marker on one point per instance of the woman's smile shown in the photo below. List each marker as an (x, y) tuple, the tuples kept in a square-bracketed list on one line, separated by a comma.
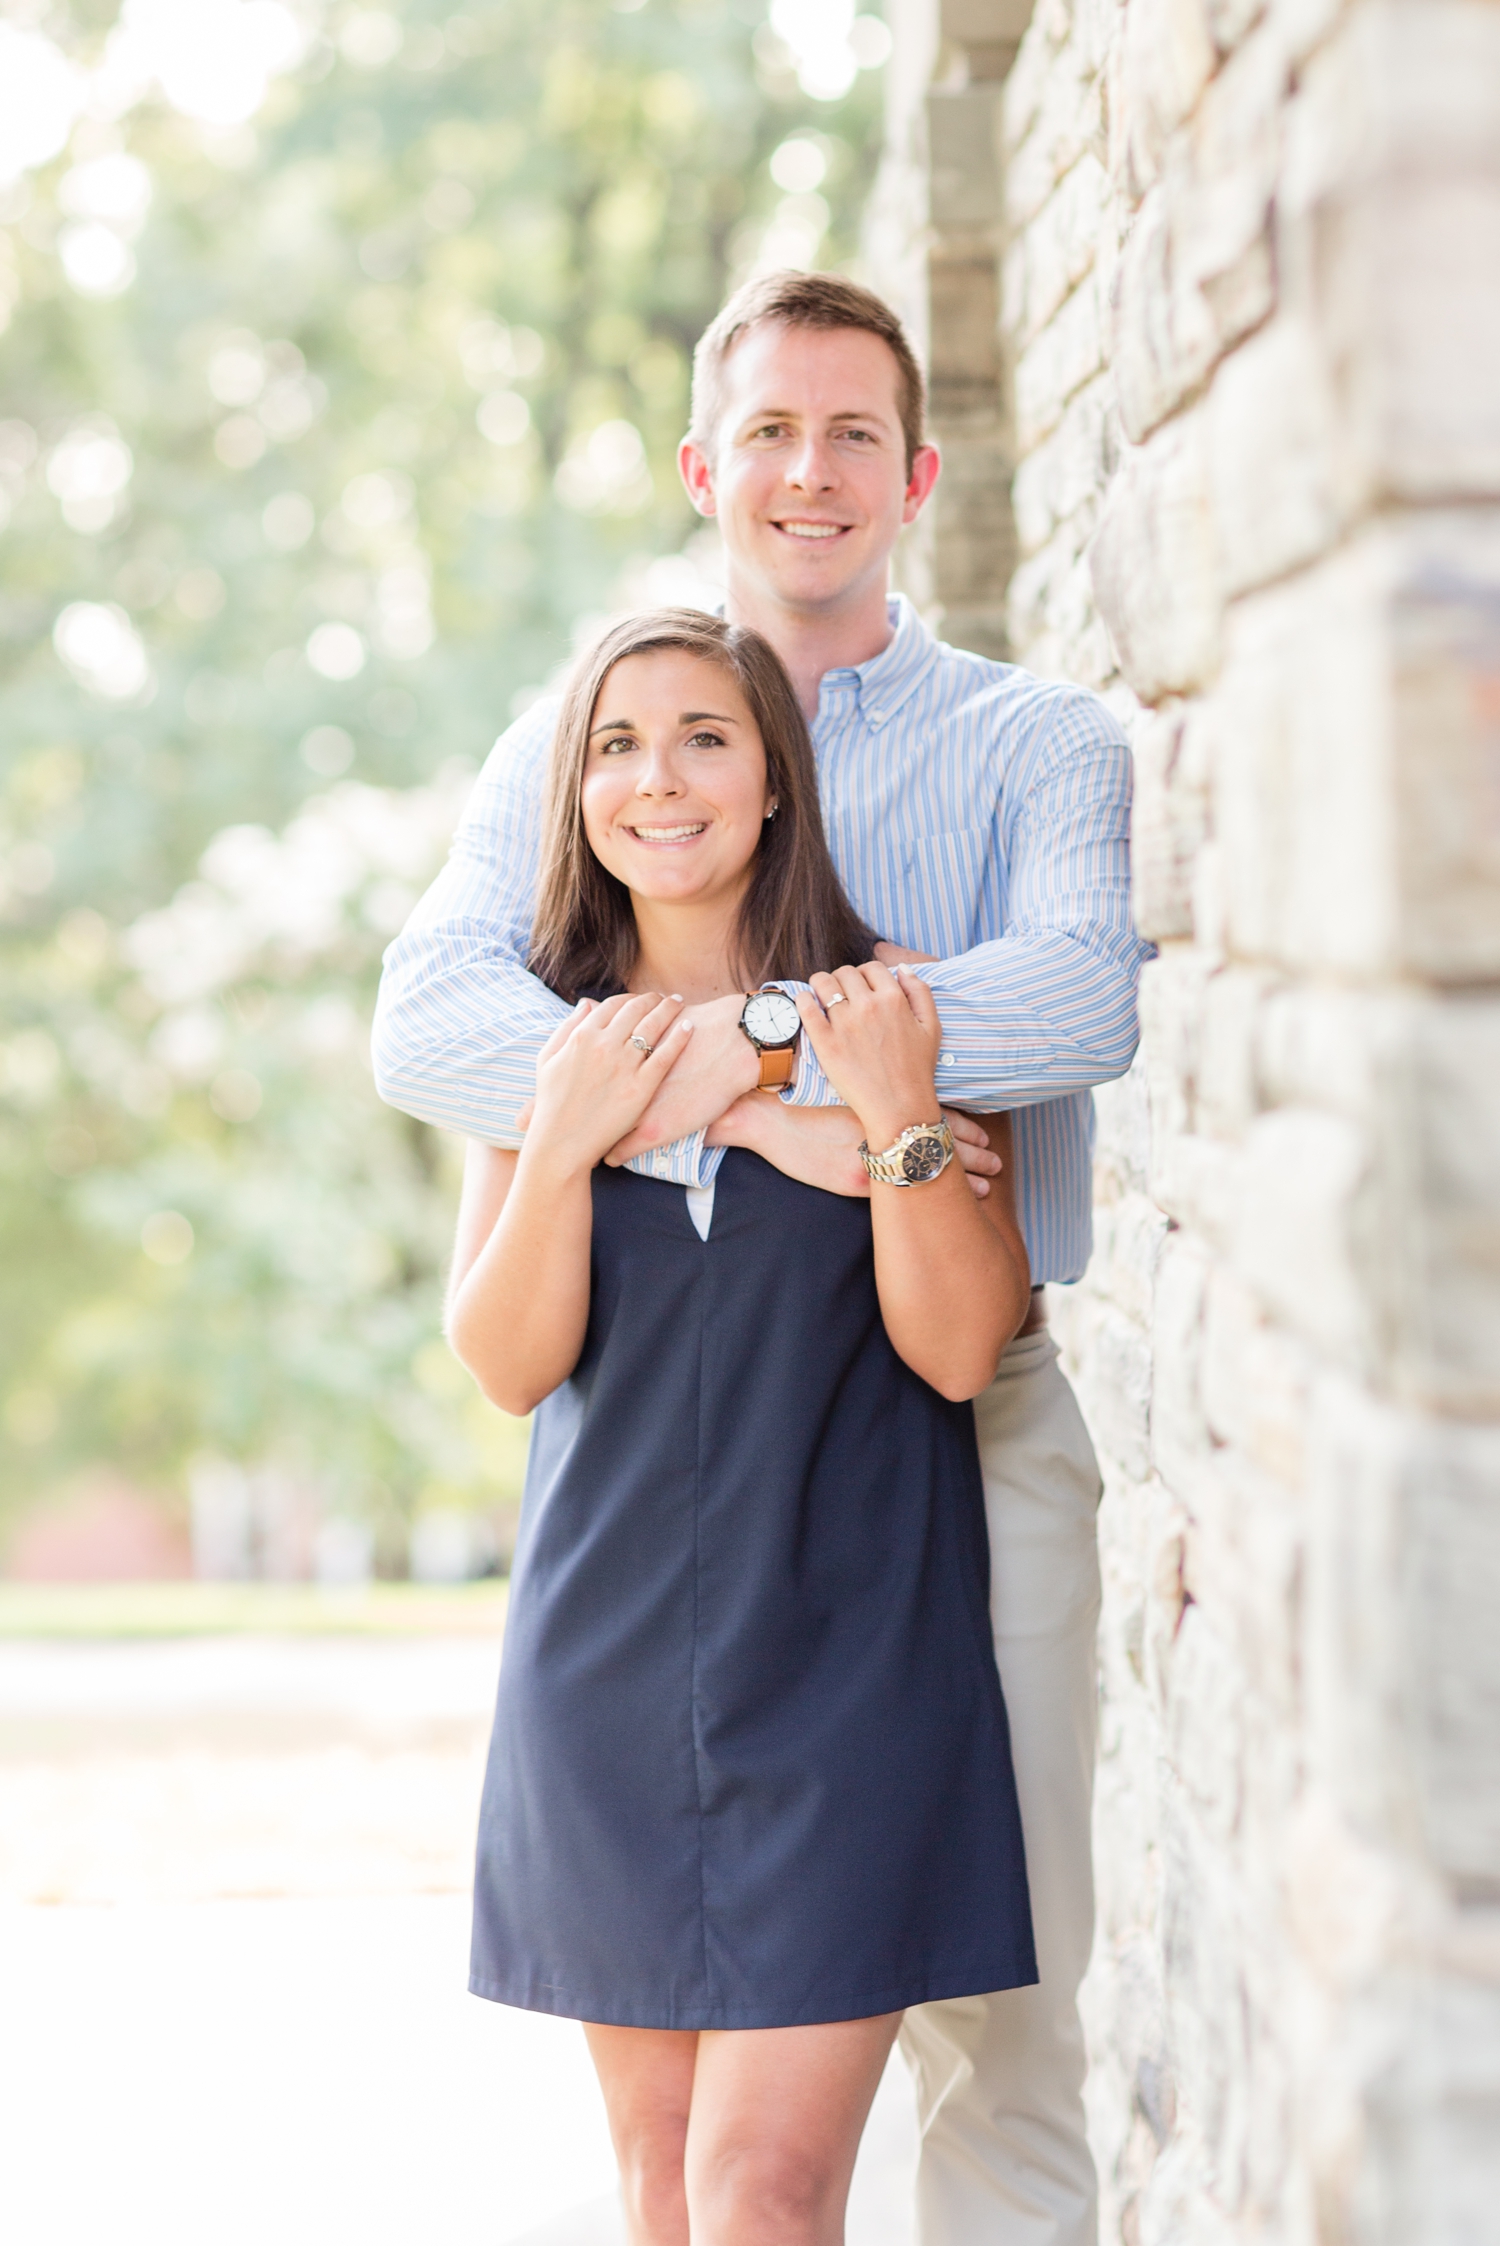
[(661, 837)]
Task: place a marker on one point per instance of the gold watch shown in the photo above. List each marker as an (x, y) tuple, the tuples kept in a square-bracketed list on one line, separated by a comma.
[(922, 1153)]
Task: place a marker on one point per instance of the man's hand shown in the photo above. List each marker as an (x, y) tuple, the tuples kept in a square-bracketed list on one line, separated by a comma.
[(718, 1065), (820, 1145)]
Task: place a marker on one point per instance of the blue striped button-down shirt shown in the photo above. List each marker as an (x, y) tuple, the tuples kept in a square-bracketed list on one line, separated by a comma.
[(973, 811)]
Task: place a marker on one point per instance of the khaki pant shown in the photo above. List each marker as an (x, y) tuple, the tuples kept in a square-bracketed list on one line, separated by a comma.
[(999, 2079)]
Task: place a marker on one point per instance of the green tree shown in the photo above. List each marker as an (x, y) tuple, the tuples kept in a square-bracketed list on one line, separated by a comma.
[(319, 433)]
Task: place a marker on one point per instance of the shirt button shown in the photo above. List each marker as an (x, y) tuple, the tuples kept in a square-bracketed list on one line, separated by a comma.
[(876, 717), (946, 1059)]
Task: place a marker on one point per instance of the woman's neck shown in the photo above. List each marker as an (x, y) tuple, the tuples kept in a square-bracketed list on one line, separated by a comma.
[(685, 950)]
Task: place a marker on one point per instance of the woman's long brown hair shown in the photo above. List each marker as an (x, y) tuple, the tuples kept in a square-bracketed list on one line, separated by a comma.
[(794, 918)]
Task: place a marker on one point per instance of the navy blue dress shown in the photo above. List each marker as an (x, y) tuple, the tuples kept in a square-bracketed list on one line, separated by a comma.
[(750, 1765)]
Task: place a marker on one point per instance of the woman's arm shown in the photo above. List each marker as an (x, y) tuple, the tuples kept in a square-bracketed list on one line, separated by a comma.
[(952, 1272), (518, 1299)]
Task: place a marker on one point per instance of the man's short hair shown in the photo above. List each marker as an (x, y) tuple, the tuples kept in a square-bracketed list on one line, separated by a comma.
[(803, 300)]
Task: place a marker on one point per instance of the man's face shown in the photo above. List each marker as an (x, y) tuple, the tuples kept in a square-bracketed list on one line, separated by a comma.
[(808, 476)]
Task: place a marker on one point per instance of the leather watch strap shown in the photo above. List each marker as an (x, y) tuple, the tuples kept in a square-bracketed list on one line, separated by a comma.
[(776, 1065)]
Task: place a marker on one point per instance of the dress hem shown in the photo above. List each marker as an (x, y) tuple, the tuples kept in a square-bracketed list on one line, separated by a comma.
[(868, 2006)]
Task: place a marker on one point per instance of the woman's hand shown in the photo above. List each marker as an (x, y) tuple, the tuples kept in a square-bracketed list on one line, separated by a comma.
[(876, 1035), (593, 1084)]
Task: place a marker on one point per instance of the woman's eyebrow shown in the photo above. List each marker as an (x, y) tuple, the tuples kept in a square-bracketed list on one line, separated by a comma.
[(687, 717)]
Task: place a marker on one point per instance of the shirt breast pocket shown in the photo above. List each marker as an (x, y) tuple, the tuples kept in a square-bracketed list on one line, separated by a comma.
[(942, 884)]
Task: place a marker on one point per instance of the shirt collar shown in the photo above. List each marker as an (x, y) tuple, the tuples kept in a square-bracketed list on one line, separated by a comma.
[(889, 678)]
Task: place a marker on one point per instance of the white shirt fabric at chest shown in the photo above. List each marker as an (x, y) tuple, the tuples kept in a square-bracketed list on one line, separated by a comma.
[(700, 1201)]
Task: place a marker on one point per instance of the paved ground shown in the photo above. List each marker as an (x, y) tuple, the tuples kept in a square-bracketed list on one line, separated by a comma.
[(232, 1948)]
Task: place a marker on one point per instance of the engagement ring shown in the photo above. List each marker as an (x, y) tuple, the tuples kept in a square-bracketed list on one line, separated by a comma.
[(838, 999), (642, 1047)]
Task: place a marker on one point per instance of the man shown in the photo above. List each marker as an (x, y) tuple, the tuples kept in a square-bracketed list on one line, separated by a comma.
[(978, 816)]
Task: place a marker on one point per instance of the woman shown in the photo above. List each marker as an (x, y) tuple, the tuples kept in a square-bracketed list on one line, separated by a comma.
[(749, 1790)]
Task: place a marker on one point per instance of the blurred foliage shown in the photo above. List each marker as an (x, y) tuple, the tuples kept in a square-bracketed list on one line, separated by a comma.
[(318, 435)]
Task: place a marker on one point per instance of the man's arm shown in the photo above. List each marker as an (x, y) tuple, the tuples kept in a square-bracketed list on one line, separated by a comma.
[(1049, 1007), (460, 1021)]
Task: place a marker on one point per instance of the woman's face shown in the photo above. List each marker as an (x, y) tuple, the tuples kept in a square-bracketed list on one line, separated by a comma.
[(674, 782)]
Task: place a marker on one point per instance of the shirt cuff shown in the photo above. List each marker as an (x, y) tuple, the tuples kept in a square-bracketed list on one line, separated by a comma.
[(809, 1087), (685, 1162)]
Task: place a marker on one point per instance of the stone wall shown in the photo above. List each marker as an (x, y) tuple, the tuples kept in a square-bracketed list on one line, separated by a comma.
[(1244, 393)]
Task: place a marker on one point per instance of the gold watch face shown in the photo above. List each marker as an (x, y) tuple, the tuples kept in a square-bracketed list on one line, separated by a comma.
[(921, 1160)]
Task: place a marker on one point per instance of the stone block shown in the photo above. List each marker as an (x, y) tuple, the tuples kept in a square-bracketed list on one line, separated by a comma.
[(1445, 717), (1255, 1380), (1227, 1088), (1128, 1237), (1032, 77), (1410, 318), (1267, 1614), (1122, 1120), (1437, 1126), (1205, 1725), (1125, 2020), (1053, 619), (1207, 2023), (1272, 447), (1169, 823), (1167, 827), (1196, 272), (1062, 479), (1171, 1008), (1116, 1386), (1155, 564), (1180, 1435), (1211, 903), (1164, 59), (1431, 2110), (1303, 26), (1407, 88), (1319, 1046), (1352, 790), (1390, 241), (1305, 1230), (1229, 20), (1162, 338), (1419, 1078), (1068, 123), (1051, 255), (1402, 1655), (1068, 353)]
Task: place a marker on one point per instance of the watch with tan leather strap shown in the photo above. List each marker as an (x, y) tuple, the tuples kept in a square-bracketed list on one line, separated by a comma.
[(773, 1025)]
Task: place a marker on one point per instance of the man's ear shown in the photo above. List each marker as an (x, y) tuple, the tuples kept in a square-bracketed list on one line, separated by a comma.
[(697, 476), (926, 467)]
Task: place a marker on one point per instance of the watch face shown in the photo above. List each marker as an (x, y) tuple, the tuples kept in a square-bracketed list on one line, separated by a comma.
[(771, 1017), (921, 1160)]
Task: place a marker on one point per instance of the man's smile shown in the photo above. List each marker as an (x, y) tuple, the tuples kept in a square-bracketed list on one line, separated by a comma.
[(804, 529)]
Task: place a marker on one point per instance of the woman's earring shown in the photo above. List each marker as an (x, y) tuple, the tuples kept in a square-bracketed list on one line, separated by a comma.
[(773, 810)]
